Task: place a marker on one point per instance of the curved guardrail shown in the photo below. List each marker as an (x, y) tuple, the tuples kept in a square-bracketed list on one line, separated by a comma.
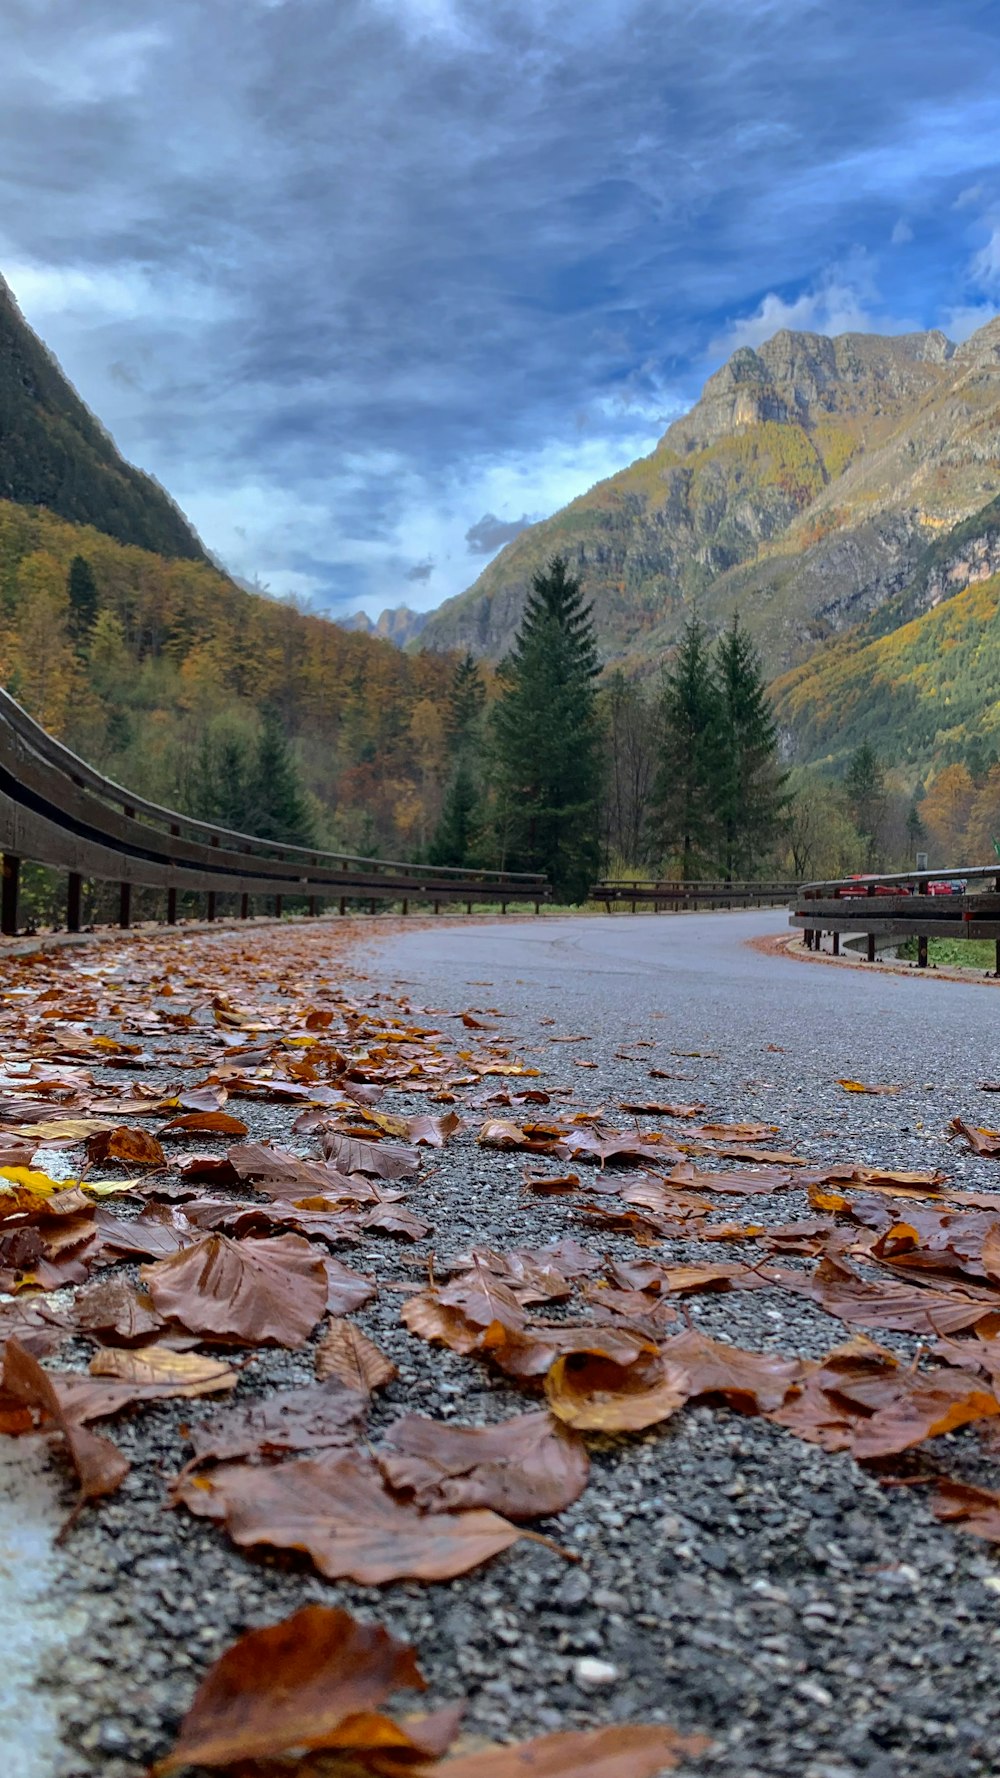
[(55, 809), (900, 905), (676, 895)]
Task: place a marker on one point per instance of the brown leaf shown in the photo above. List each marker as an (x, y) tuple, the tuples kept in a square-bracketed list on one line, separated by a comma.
[(291, 1685), (624, 1750), (339, 1512), (260, 1292), (348, 1354), (284, 1174), (524, 1468), (857, 1086), (860, 1399), (748, 1381), (382, 1160), (976, 1510), (204, 1123), (136, 1147), (167, 1371), (111, 1306), (304, 1419), (596, 1395), (346, 1290), (654, 1108), (984, 1142), (99, 1464)]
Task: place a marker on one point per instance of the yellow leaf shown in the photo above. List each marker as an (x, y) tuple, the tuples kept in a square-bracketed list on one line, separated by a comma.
[(38, 1183)]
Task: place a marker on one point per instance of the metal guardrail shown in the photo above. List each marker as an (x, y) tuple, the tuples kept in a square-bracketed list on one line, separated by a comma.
[(900, 905), (57, 810), (674, 896)]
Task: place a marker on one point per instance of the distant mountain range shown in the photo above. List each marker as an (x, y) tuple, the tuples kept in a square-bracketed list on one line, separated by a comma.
[(399, 625), (803, 490)]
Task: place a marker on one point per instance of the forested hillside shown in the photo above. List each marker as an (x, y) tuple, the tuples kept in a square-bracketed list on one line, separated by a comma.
[(153, 669), (54, 453)]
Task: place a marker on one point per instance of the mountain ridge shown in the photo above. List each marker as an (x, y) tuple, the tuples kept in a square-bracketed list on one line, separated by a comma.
[(801, 489)]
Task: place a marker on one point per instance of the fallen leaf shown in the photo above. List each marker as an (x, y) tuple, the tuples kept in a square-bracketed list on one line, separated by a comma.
[(304, 1419), (214, 1123), (623, 1750), (857, 1086), (981, 1141), (113, 1307), (594, 1394), (291, 1685), (340, 1513), (173, 1372), (270, 1292), (527, 1467), (383, 1160), (348, 1354), (136, 1147), (99, 1465), (976, 1510)]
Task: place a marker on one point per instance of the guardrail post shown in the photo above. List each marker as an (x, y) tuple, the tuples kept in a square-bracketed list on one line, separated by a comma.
[(503, 907), (244, 906), (171, 907), (74, 896), (922, 951), (210, 904), (468, 907), (437, 907), (313, 907), (277, 907), (9, 884), (835, 943), (406, 906), (871, 947), (538, 907), (343, 904), (125, 906)]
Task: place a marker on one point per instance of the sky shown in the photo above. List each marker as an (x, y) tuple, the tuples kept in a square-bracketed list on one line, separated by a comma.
[(370, 284)]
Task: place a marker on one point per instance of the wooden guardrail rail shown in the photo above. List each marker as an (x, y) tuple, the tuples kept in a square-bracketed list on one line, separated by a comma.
[(673, 896), (901, 906), (57, 810)]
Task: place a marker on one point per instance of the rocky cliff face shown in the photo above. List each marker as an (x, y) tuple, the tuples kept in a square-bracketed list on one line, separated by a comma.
[(803, 489), (399, 625)]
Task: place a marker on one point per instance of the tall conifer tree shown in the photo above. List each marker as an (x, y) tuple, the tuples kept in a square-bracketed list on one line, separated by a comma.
[(455, 839), (687, 791), (752, 796), (547, 738)]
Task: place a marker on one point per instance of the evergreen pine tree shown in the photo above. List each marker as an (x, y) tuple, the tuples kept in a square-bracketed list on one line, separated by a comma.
[(81, 589), (277, 807), (864, 788), (465, 704), (548, 765), (687, 792), (456, 832), (752, 795)]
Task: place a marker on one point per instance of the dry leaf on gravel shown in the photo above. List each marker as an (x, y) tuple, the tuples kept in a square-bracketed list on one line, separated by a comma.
[(976, 1510), (257, 1292), (204, 1123), (594, 1394), (305, 1419), (111, 1306), (339, 1512), (346, 1290), (136, 1147), (623, 1750), (981, 1141), (99, 1465), (382, 1160), (291, 1685), (165, 1371), (348, 1354), (751, 1382), (528, 1467), (858, 1086)]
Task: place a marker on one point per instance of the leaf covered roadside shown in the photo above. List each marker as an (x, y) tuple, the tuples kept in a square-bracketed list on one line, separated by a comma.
[(184, 1269)]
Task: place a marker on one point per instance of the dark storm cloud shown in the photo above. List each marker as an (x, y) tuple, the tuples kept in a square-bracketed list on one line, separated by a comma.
[(489, 533), (344, 273), (419, 571)]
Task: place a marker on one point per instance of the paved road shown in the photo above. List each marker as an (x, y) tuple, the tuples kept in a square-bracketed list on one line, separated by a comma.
[(699, 973)]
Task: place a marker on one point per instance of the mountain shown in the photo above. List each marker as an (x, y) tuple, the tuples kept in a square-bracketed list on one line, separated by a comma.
[(399, 625), (920, 678), (802, 490), (54, 453)]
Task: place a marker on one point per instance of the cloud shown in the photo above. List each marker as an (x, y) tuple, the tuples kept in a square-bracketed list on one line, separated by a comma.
[(489, 533), (902, 233), (419, 571), (354, 279), (835, 307), (984, 266)]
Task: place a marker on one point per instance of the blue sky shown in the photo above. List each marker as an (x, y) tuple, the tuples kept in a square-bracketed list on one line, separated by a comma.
[(367, 283)]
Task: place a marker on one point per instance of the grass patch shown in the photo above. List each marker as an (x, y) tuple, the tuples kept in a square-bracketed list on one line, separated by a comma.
[(954, 953)]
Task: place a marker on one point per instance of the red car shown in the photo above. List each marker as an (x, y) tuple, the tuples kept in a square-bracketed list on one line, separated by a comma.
[(868, 885), (947, 886)]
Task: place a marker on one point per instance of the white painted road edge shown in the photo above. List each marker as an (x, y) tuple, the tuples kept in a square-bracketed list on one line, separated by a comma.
[(34, 1625)]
